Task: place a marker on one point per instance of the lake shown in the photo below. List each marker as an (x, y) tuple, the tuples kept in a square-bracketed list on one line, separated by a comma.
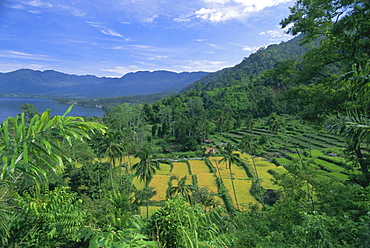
[(11, 106)]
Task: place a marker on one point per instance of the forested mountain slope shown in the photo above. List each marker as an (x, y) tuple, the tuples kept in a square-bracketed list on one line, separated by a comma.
[(253, 66)]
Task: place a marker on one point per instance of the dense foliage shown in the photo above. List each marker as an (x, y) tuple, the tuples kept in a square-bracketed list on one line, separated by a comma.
[(66, 182)]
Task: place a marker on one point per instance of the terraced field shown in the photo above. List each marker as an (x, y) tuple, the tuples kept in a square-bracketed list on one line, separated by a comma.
[(206, 179), (319, 150), (298, 145)]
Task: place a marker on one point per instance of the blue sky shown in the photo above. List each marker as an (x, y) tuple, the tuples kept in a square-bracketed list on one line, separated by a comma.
[(113, 37)]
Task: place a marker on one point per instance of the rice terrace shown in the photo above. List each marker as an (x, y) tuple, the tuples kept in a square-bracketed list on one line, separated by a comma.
[(296, 144)]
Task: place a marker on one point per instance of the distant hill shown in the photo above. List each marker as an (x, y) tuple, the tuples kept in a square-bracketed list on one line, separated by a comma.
[(56, 84), (253, 66)]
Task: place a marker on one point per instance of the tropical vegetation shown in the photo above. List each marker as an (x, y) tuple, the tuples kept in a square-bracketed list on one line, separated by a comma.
[(273, 152)]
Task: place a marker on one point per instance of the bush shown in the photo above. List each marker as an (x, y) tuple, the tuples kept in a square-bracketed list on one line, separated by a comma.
[(179, 225)]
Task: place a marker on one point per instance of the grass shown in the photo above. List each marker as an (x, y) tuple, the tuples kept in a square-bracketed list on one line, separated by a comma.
[(340, 176), (329, 166), (284, 161)]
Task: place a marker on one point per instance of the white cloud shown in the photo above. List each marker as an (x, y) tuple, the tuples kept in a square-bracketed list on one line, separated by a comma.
[(224, 10), (251, 49), (150, 19), (120, 70), (8, 67), (158, 57), (215, 46), (39, 3), (111, 32), (105, 30), (277, 34), (202, 65), (183, 18), (22, 55), (72, 10), (217, 1), (15, 6)]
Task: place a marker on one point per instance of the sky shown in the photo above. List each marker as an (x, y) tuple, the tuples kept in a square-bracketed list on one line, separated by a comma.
[(113, 37)]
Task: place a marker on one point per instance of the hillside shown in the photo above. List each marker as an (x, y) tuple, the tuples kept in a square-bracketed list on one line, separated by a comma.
[(52, 83), (253, 65)]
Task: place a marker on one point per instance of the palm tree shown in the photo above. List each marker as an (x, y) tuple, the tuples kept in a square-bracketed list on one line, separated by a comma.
[(230, 158), (110, 146), (356, 128), (145, 169), (250, 123), (249, 145), (274, 122), (182, 189)]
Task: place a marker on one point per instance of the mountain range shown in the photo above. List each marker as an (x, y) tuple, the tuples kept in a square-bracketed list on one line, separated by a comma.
[(52, 83)]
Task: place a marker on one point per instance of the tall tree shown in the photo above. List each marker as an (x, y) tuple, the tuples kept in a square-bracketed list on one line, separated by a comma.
[(356, 129), (249, 145), (230, 158), (110, 146), (342, 26), (274, 122), (181, 188), (146, 168)]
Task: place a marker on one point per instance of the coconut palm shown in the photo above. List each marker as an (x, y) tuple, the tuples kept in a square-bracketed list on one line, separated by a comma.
[(248, 144), (110, 147), (230, 158), (356, 128), (274, 122), (146, 168), (182, 189)]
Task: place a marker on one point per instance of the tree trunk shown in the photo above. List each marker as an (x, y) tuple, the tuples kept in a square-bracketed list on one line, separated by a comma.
[(258, 180), (362, 161), (232, 183)]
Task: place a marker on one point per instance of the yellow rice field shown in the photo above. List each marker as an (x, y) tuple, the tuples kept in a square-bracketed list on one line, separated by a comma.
[(189, 181), (207, 180), (159, 183), (262, 168), (280, 169), (180, 169), (198, 166), (138, 184), (242, 187), (238, 171), (164, 169)]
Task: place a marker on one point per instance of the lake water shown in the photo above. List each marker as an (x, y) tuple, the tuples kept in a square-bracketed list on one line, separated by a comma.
[(11, 106)]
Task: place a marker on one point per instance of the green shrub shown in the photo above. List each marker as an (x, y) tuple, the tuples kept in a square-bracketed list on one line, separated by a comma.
[(178, 225)]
